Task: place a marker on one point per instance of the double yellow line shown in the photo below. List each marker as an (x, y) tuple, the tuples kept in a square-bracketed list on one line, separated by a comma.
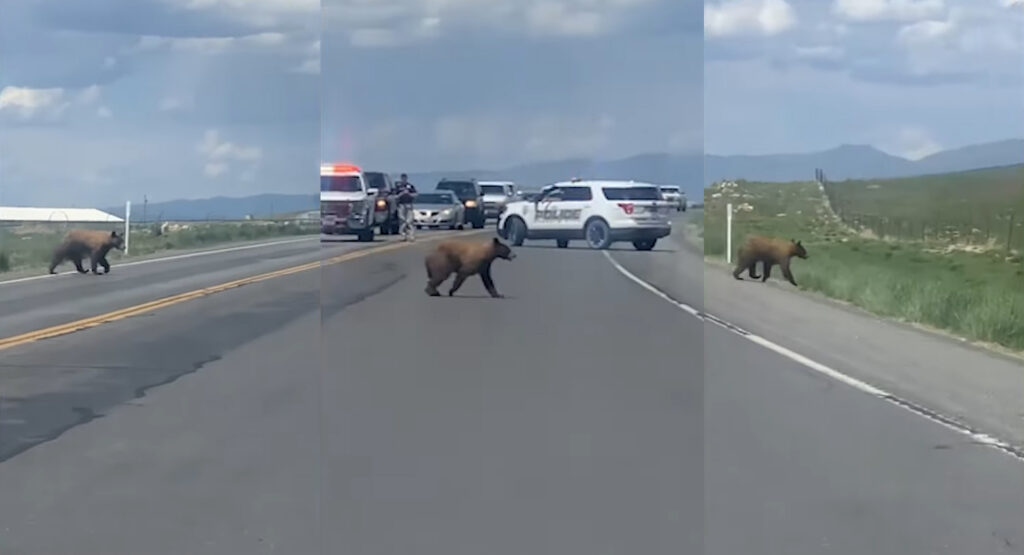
[(93, 321)]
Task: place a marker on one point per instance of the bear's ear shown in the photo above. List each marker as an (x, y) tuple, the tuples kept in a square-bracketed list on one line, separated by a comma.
[(113, 233), (496, 241), (799, 243)]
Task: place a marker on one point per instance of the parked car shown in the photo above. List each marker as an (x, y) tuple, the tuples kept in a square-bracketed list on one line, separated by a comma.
[(496, 194), (385, 205), (468, 192), (674, 195), (439, 209)]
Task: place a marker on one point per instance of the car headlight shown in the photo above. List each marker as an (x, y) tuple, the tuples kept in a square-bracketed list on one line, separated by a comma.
[(470, 204), (447, 212)]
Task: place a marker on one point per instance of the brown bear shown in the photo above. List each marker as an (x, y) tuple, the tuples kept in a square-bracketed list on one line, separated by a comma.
[(464, 258), (769, 251), (79, 243)]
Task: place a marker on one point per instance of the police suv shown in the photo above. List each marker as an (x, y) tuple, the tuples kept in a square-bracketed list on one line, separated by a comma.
[(598, 212)]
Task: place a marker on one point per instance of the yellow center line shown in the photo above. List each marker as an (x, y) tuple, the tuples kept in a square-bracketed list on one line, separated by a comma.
[(147, 307)]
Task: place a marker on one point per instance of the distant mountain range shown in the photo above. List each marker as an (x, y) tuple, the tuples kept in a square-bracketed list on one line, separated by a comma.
[(691, 171)]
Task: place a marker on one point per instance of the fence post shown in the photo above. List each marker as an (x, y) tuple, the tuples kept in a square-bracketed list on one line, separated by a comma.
[(127, 224), (1009, 235), (728, 233)]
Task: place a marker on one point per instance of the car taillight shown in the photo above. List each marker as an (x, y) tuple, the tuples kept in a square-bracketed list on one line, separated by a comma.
[(627, 207)]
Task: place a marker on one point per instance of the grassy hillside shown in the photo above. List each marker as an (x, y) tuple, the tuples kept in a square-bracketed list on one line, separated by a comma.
[(981, 207), (979, 295)]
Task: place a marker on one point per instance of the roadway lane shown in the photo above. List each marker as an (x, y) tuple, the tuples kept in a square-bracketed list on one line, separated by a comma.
[(192, 430), (797, 463), (51, 300), (565, 418)]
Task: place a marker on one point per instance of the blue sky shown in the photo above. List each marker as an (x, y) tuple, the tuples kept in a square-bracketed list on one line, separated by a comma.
[(908, 76), (103, 100), (107, 100)]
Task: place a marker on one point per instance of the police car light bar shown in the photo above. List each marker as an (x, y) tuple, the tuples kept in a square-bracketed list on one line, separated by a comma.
[(341, 168)]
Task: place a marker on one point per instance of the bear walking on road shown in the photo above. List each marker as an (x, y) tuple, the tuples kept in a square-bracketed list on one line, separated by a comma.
[(81, 243), (464, 259), (769, 251)]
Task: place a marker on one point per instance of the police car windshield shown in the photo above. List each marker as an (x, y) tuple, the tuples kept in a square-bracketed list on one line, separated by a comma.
[(492, 189), (340, 183), (463, 189), (435, 198), (631, 193)]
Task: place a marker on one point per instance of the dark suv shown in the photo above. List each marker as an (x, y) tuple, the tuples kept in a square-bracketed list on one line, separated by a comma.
[(468, 192), (386, 205)]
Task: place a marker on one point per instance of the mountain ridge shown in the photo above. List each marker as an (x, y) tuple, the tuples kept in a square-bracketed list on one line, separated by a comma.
[(693, 172)]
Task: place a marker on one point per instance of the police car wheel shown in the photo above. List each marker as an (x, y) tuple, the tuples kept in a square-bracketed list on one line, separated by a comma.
[(515, 231), (645, 244), (598, 234), (563, 243)]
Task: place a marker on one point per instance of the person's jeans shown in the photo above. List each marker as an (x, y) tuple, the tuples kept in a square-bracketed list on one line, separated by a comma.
[(405, 214)]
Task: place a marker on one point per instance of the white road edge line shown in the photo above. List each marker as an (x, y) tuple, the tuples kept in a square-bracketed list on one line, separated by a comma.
[(976, 436), (167, 258)]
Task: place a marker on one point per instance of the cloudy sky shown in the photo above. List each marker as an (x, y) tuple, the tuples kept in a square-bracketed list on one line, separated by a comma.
[(908, 76), (107, 100), (459, 84)]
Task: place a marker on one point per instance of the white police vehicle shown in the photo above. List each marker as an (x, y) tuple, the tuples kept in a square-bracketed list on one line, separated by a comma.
[(598, 212)]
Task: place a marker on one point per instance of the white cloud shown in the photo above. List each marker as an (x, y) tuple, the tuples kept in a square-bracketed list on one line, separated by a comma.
[(109, 62), (311, 65), (104, 112), (214, 148), (212, 45), (28, 103), (911, 142), (220, 154), (888, 10), (555, 18), (748, 17), (215, 169), (89, 94), (388, 23), (969, 39), (170, 104), (254, 12)]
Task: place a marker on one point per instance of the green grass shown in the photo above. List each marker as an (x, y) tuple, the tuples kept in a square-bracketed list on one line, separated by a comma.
[(976, 295), (29, 247), (972, 207)]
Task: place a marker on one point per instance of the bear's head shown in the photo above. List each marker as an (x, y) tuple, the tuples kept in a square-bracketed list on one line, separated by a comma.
[(501, 250), (798, 249), (115, 241)]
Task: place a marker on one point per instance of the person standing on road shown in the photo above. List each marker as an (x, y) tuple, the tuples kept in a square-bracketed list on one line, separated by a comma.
[(406, 194)]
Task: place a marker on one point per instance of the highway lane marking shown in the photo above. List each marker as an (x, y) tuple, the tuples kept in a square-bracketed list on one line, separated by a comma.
[(147, 307), (975, 435), (168, 258)]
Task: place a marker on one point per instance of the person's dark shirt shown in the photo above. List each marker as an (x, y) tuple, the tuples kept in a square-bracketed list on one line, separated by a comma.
[(406, 192)]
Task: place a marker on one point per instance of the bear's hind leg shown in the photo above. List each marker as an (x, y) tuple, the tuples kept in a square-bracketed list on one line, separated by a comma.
[(459, 278)]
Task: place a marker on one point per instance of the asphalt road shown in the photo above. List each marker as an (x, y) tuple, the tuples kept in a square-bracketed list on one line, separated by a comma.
[(341, 410)]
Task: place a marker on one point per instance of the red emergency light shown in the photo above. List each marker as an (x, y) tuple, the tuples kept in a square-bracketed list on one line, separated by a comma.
[(345, 168)]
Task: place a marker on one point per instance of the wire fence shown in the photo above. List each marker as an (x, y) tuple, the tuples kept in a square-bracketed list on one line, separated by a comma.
[(926, 218)]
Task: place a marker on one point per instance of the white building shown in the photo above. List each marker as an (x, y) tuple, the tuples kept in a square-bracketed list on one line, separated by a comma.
[(19, 214)]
